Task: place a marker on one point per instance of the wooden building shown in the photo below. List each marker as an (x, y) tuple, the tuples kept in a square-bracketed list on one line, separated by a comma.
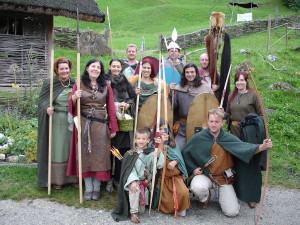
[(26, 35)]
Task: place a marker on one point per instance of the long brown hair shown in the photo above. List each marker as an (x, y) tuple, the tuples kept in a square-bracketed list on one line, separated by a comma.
[(235, 90)]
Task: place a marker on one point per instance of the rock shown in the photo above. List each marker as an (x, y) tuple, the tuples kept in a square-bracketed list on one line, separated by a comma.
[(12, 159), (93, 43), (22, 159), (2, 157), (243, 51), (283, 86), (271, 111)]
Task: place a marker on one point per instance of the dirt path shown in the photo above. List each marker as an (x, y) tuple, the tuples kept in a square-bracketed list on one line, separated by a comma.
[(281, 207)]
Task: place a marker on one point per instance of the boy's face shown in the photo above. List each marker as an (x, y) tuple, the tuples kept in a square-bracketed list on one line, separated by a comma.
[(141, 140)]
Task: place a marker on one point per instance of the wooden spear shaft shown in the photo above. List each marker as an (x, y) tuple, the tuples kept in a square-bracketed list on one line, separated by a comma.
[(225, 86), (156, 134), (110, 35), (50, 121), (162, 184), (79, 115), (262, 108)]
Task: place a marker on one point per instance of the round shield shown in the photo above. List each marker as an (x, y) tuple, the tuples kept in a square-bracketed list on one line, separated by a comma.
[(172, 75), (197, 115), (147, 114)]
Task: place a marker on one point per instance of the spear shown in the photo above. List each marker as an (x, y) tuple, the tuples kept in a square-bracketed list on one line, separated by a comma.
[(50, 121), (156, 133), (225, 86), (174, 38), (110, 35), (78, 114), (139, 85), (166, 131)]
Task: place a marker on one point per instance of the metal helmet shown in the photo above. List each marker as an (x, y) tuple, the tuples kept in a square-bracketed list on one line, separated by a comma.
[(173, 44)]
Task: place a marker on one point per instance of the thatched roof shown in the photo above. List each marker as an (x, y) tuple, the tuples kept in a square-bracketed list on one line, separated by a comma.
[(88, 9)]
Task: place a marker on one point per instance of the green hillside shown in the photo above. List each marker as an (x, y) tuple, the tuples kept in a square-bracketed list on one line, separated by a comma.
[(133, 19)]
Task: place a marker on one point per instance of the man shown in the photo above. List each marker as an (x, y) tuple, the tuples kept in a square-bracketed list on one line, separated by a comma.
[(204, 72), (189, 87), (173, 60), (216, 142), (129, 65)]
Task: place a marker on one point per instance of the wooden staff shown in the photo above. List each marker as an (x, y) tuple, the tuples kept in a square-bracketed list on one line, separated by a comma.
[(50, 121), (138, 96), (79, 115), (110, 35), (166, 131), (156, 133), (262, 108), (225, 86)]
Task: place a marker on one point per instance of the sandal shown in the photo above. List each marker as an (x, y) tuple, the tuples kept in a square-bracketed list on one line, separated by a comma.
[(134, 218), (252, 204), (57, 187)]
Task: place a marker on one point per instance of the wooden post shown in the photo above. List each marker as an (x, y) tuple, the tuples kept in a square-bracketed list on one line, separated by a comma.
[(269, 33), (286, 35), (79, 115), (50, 122)]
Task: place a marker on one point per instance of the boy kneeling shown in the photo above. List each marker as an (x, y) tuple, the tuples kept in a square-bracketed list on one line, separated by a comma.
[(136, 174)]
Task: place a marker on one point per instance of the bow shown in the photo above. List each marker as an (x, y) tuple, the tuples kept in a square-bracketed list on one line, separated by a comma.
[(268, 153)]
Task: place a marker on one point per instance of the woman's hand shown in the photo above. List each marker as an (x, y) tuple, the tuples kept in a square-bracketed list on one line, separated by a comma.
[(50, 110), (124, 105), (172, 165), (138, 90), (76, 95), (215, 87), (112, 135)]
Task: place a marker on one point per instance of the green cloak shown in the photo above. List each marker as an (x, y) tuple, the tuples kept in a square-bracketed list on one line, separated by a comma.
[(121, 212), (197, 151), (43, 127)]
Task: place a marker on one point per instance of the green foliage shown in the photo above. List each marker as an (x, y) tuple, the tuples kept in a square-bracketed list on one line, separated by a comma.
[(3, 140), (31, 149), (9, 119), (24, 137), (292, 4)]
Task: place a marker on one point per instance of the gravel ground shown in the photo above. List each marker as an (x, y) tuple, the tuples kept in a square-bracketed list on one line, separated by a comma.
[(281, 207)]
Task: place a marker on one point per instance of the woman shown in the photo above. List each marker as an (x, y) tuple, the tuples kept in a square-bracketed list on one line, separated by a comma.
[(175, 195), (243, 101), (148, 82), (124, 100), (61, 135), (98, 125)]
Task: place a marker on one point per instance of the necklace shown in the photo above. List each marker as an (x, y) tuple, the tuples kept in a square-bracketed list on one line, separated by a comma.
[(94, 90), (63, 83)]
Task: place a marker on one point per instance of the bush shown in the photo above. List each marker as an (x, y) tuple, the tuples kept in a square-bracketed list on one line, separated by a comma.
[(292, 4), (24, 138)]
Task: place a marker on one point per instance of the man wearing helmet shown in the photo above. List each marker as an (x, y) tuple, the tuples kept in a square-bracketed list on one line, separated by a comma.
[(173, 60)]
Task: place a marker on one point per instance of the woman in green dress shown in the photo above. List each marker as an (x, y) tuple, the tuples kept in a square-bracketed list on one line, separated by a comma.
[(149, 83), (242, 102), (61, 134)]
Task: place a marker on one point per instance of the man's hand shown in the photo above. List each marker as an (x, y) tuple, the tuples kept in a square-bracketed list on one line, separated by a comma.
[(197, 171), (134, 186)]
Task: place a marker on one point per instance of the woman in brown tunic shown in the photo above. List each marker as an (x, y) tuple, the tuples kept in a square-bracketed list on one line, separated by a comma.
[(98, 125), (243, 101)]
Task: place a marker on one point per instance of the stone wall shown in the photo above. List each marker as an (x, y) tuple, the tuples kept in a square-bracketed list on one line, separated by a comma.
[(197, 37)]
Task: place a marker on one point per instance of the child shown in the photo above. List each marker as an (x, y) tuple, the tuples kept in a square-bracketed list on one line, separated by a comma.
[(175, 195), (136, 174)]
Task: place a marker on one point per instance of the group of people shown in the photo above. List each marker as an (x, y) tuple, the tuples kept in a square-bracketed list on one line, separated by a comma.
[(182, 165)]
